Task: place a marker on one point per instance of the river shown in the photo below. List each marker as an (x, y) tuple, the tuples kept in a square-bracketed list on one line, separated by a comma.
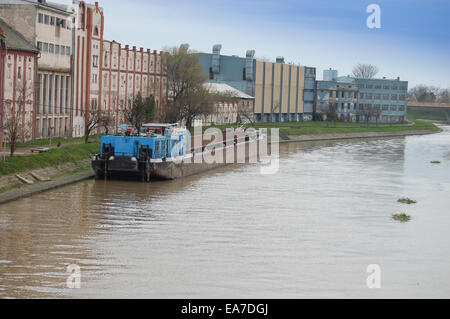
[(311, 230)]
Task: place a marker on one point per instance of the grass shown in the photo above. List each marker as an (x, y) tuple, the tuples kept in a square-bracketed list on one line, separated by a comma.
[(429, 114), (54, 141), (406, 200), (318, 127), (69, 153), (403, 218)]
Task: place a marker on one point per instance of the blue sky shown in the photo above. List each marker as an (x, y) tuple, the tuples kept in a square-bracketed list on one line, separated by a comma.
[(413, 42)]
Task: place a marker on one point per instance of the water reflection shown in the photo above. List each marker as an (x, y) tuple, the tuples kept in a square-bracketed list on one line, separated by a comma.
[(308, 231)]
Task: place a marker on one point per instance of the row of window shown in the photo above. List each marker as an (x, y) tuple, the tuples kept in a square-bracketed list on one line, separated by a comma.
[(370, 96), (51, 128), (351, 106), (382, 87), (53, 48), (51, 20), (55, 94)]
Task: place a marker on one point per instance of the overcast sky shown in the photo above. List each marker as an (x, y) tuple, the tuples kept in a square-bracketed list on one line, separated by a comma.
[(413, 41)]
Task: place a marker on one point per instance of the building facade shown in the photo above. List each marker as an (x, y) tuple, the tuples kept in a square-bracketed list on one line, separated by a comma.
[(18, 71), (382, 100), (49, 27), (282, 92), (108, 76)]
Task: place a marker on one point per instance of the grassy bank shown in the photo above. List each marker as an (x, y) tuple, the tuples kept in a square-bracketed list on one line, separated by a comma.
[(313, 127), (69, 153), (54, 141)]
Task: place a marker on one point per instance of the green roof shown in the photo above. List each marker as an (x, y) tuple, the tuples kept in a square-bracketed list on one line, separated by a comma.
[(15, 40)]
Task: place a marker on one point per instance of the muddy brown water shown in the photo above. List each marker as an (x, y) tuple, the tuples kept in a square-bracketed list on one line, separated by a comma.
[(309, 230)]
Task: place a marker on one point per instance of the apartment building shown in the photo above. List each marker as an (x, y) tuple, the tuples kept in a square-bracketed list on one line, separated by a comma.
[(282, 92), (49, 27), (18, 66)]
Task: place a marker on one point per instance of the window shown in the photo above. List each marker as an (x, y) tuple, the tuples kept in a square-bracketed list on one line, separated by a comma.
[(378, 86), (377, 96), (394, 108), (67, 95), (394, 97), (46, 19), (39, 45), (401, 97), (61, 93), (368, 96), (63, 50), (51, 48), (361, 95), (402, 108), (57, 49), (44, 95), (96, 31), (386, 87), (67, 50), (385, 96), (63, 23), (369, 86), (45, 47), (394, 87), (40, 18), (95, 61), (385, 107), (38, 93), (19, 72), (52, 20), (56, 92), (50, 88)]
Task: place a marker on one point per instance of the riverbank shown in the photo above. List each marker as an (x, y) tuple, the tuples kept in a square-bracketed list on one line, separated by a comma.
[(71, 163), (39, 187)]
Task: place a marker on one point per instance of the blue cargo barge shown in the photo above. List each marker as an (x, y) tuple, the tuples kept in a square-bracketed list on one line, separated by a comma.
[(141, 152)]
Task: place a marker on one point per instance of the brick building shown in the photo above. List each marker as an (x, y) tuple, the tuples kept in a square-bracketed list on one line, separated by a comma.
[(107, 75), (18, 58)]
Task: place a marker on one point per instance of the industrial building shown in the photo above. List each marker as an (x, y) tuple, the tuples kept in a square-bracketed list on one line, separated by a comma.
[(282, 92)]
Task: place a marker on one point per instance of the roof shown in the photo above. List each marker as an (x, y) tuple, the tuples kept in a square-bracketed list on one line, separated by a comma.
[(15, 40), (50, 5), (215, 87)]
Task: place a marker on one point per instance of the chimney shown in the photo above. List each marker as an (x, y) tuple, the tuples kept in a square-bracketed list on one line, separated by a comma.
[(215, 62), (280, 59), (398, 78)]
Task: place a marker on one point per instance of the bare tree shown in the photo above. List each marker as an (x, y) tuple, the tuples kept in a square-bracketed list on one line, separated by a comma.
[(188, 98), (331, 113), (141, 111), (444, 96), (18, 127), (423, 93), (245, 114), (106, 121), (364, 71), (93, 119)]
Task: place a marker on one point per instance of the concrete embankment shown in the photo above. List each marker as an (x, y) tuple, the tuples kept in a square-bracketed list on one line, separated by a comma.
[(29, 190)]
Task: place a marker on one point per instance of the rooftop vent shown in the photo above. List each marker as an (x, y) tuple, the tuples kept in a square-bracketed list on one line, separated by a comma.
[(280, 59)]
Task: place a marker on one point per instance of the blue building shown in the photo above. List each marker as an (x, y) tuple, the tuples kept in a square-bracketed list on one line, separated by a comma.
[(382, 100)]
